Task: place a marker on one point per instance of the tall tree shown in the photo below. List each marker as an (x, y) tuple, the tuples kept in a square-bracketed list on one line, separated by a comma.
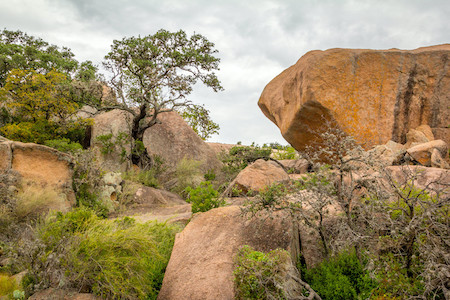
[(157, 72)]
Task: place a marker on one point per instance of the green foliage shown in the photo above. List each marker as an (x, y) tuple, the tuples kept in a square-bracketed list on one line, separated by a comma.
[(145, 177), (121, 259), (110, 143), (21, 51), (341, 277), (188, 174), (64, 145), (286, 152), (7, 285), (86, 182), (210, 175), (258, 275), (197, 116), (204, 197), (240, 157), (115, 259), (40, 108), (157, 72), (271, 195)]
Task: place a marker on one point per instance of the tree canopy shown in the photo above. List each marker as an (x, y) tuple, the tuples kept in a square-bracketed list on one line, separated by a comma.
[(157, 72)]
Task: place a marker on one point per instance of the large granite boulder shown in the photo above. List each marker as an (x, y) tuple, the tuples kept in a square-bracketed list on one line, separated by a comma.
[(259, 175), (172, 139), (374, 95), (39, 165), (201, 264)]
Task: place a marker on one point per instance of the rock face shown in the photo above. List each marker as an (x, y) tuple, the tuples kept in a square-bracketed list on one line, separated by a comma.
[(258, 175), (36, 163), (201, 264), (150, 204), (374, 95), (422, 152), (173, 140), (118, 124)]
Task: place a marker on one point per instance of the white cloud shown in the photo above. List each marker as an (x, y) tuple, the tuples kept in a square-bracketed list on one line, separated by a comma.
[(257, 39)]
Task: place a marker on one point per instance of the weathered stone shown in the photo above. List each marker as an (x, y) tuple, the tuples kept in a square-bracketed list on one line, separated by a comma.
[(415, 136), (149, 204), (118, 123), (5, 156), (59, 294), (426, 130), (258, 175), (431, 179), (422, 152), (42, 164), (390, 154), (173, 140), (374, 95), (296, 166), (442, 134), (437, 161), (201, 265)]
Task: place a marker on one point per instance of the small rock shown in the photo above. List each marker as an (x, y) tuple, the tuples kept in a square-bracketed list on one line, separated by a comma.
[(422, 153), (437, 161)]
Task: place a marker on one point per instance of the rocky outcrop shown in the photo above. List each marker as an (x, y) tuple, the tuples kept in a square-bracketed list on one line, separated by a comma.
[(220, 147), (37, 163), (60, 294), (150, 204), (112, 151), (201, 264), (295, 166), (374, 95), (39, 166), (172, 140), (258, 175), (422, 152)]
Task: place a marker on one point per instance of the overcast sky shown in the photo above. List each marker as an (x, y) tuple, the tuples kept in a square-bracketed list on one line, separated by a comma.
[(256, 39)]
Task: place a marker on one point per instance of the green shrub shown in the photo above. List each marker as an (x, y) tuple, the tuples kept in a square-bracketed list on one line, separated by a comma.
[(63, 145), (7, 285), (121, 259), (114, 259), (87, 182), (240, 157), (286, 152), (188, 174), (204, 197), (341, 277), (258, 275), (144, 177)]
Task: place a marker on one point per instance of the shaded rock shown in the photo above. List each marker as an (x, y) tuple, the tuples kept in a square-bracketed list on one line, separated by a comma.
[(373, 95), (415, 137), (431, 179), (258, 175), (427, 131), (442, 134), (155, 197), (58, 294), (201, 264), (422, 152), (5, 156), (295, 166), (118, 124), (173, 140), (437, 161), (389, 154)]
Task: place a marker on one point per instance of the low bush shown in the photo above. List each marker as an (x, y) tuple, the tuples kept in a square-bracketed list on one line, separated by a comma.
[(204, 197), (7, 286), (34, 201), (240, 157), (114, 259), (144, 177), (341, 277), (286, 152), (258, 275), (64, 145), (188, 174)]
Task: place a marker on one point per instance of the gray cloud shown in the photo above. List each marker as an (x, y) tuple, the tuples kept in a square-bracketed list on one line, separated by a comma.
[(256, 39)]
